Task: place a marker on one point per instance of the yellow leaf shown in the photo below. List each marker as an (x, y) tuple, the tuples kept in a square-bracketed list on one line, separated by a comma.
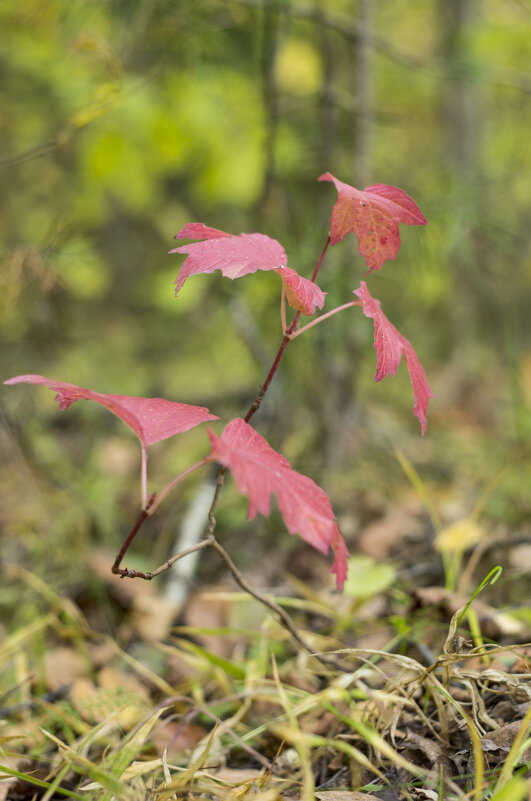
[(459, 536)]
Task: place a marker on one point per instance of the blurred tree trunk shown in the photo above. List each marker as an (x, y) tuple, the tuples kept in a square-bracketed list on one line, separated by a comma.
[(339, 400), (270, 37), (462, 112), (363, 95), (328, 102)]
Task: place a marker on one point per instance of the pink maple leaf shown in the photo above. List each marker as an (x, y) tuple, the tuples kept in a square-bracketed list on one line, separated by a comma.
[(200, 231), (373, 216), (259, 471), (241, 254), (390, 345), (233, 255), (303, 295), (152, 419)]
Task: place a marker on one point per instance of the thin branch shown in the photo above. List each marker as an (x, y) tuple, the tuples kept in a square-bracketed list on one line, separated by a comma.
[(170, 562), (217, 492), (324, 317), (239, 579), (62, 138), (151, 505), (130, 537), (320, 260), (285, 619), (127, 572), (255, 405)]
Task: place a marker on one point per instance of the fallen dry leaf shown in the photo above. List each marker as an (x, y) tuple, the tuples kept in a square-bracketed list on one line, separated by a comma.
[(62, 666), (520, 557), (497, 744), (120, 695), (153, 617), (177, 737), (207, 611), (114, 679), (382, 537), (236, 777)]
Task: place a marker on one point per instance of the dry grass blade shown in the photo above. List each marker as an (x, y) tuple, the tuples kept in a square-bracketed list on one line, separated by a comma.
[(132, 745), (300, 745), (297, 737), (180, 782)]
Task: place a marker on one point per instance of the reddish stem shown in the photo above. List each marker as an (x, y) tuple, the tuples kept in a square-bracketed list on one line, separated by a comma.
[(173, 483), (255, 405), (325, 317), (130, 537), (321, 257)]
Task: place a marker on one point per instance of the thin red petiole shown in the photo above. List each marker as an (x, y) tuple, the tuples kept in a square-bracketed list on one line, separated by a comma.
[(324, 317), (283, 310), (143, 477), (255, 405), (169, 487)]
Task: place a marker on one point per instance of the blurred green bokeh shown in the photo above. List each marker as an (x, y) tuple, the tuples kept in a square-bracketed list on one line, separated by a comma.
[(124, 120)]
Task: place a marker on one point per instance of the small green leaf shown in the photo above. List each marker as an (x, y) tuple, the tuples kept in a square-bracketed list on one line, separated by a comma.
[(367, 577)]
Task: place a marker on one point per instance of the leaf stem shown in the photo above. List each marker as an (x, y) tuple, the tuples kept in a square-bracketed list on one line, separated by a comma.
[(288, 332), (169, 487), (324, 317), (149, 507), (283, 310), (143, 477)]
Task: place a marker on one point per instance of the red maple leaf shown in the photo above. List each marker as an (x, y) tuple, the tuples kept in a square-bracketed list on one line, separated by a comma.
[(303, 295), (233, 255), (373, 216), (260, 471), (200, 231), (237, 255), (152, 419), (390, 345)]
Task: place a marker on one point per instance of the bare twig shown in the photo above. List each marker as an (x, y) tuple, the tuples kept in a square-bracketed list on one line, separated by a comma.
[(130, 537), (241, 581), (284, 618)]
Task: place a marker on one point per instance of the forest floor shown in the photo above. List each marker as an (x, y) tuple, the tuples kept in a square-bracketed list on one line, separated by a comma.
[(121, 689)]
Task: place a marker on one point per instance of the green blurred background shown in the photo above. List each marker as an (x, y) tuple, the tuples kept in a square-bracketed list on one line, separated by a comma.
[(125, 119)]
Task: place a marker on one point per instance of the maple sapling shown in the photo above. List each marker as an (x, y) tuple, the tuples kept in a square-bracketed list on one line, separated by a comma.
[(373, 216)]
